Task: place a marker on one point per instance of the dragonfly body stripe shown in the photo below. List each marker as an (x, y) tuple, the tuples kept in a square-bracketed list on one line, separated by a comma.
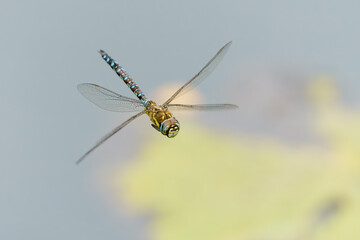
[(124, 76)]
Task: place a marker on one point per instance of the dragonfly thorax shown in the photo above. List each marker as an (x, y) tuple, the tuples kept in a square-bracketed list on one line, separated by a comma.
[(163, 120)]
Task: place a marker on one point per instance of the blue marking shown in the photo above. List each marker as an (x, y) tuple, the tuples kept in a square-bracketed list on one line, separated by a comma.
[(146, 101), (161, 126), (108, 59), (105, 56), (118, 70), (133, 86), (125, 78), (112, 64), (139, 95)]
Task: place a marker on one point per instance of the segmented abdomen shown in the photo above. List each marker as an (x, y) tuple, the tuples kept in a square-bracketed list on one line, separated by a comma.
[(124, 76)]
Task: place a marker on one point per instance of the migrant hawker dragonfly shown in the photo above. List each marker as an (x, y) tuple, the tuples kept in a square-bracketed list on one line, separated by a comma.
[(160, 116)]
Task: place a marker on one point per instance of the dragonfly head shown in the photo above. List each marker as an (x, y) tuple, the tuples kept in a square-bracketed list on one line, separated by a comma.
[(170, 127)]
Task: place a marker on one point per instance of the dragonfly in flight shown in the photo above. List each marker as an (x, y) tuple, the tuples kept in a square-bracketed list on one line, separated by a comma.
[(160, 115)]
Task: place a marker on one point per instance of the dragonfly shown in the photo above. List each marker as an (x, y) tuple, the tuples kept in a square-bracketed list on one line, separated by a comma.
[(160, 115)]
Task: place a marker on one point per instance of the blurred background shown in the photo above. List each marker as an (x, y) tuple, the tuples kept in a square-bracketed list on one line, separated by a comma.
[(285, 165)]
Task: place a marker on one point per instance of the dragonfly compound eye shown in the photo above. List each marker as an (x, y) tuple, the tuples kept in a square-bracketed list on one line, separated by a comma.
[(173, 131), (170, 127)]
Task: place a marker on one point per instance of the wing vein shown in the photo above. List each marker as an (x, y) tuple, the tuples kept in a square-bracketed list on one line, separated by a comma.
[(202, 107), (110, 134), (202, 74), (109, 100)]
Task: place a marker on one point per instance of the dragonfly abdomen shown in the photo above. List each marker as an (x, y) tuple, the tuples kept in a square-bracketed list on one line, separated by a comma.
[(124, 76)]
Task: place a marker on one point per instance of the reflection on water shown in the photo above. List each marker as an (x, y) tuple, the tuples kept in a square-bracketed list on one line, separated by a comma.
[(213, 185)]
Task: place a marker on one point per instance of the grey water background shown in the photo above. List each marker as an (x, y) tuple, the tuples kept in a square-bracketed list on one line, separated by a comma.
[(48, 47)]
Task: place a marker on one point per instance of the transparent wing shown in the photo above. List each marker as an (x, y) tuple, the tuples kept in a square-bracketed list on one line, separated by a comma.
[(200, 76), (110, 134), (109, 100), (202, 107)]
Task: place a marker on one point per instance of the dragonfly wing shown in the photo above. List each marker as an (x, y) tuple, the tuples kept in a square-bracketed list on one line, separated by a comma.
[(202, 107), (200, 76), (110, 134), (109, 100)]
